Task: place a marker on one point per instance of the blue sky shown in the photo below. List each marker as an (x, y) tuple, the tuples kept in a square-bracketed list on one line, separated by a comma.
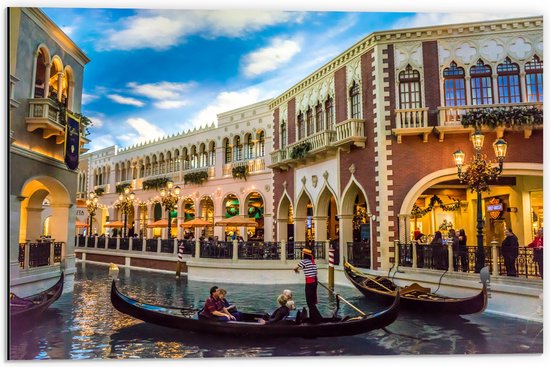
[(156, 72)]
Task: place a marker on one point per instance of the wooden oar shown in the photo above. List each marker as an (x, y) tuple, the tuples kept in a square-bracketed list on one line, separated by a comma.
[(371, 278), (343, 299)]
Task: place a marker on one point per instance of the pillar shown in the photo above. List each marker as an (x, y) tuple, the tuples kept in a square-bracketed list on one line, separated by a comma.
[(346, 234), (320, 228)]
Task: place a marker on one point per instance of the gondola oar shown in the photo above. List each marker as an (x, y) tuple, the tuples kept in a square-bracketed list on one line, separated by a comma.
[(342, 298), (371, 278)]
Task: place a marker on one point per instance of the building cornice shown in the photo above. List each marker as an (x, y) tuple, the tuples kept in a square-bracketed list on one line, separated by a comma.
[(14, 149), (57, 34), (407, 35)]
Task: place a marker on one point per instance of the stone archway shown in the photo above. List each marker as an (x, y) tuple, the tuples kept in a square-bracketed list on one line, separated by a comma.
[(303, 221), (356, 234), (254, 207), (285, 219), (325, 215)]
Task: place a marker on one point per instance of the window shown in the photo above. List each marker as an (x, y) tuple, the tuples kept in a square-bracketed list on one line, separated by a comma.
[(212, 161), (533, 80), (301, 126), (329, 113), (282, 142), (318, 117), (238, 148), (409, 88), (355, 101), (482, 91), (261, 144), (455, 94), (249, 147), (228, 152), (508, 82), (310, 126)]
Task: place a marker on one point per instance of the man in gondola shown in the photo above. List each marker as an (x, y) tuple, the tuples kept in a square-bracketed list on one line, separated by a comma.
[(214, 307), (310, 273)]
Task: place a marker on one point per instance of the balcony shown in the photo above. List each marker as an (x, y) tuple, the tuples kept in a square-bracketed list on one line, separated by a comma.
[(412, 122), (254, 165), (43, 114), (450, 120), (350, 132)]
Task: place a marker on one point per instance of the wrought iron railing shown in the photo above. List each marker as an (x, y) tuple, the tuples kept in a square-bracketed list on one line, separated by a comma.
[(167, 246), (216, 250), (151, 245), (359, 254), (188, 246), (253, 250), (124, 243), (294, 251), (100, 242), (38, 254)]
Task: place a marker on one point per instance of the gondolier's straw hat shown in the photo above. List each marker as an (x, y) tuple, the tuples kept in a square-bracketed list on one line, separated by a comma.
[(307, 251)]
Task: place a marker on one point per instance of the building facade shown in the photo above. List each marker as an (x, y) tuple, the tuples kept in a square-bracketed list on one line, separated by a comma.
[(363, 146), (46, 75), (221, 169)]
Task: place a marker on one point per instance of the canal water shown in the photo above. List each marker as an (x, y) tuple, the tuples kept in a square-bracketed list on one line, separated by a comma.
[(84, 325)]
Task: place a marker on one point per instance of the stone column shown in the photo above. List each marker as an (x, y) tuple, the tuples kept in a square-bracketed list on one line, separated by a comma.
[(47, 81), (346, 234), (320, 228), (299, 229), (282, 229), (14, 224)]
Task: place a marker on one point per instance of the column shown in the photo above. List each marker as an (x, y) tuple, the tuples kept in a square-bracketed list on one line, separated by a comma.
[(47, 81), (14, 225), (59, 85), (523, 86), (282, 229), (494, 81), (468, 87), (299, 229), (346, 234), (320, 228)]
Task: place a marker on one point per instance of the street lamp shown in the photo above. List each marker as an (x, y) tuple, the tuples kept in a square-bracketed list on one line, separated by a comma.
[(169, 197), (126, 202), (91, 205), (478, 176)]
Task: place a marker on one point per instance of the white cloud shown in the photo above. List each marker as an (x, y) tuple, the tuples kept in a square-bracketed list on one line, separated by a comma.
[(68, 30), (226, 101), (102, 141), (279, 52), (161, 29), (88, 98), (96, 121), (429, 19), (160, 90), (145, 131), (166, 105), (125, 100)]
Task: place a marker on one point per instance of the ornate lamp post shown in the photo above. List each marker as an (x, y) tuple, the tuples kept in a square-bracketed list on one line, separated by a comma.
[(91, 205), (478, 176), (126, 202), (169, 197)]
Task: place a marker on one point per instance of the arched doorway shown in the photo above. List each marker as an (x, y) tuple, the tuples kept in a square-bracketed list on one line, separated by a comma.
[(326, 216), (304, 227), (356, 227), (189, 212), (285, 220), (231, 208), (255, 209), (206, 212)]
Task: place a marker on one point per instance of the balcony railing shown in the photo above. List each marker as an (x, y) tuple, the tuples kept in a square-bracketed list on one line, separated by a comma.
[(44, 114), (254, 166), (350, 132), (411, 118), (38, 254)]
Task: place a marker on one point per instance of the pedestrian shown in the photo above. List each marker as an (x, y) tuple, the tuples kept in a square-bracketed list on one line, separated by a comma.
[(463, 250), (453, 241), (537, 246), (510, 248), (310, 273)]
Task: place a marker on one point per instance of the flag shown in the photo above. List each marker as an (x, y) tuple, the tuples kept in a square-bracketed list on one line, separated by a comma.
[(72, 141)]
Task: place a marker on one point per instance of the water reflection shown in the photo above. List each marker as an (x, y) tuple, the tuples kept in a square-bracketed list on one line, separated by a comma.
[(84, 325)]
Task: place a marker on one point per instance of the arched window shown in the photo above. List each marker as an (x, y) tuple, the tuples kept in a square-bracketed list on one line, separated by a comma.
[(212, 154), (329, 113), (482, 90), (238, 148), (508, 82), (355, 101), (455, 94), (318, 117), (227, 149), (40, 78), (261, 144), (533, 80), (309, 119), (409, 89), (301, 127), (249, 147), (282, 143)]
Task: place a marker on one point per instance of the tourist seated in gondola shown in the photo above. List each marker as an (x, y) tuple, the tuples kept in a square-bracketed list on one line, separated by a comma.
[(228, 306), (214, 308), (281, 313)]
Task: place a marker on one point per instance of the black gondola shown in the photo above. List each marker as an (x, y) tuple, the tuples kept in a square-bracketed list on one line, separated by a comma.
[(415, 297), (186, 319), (26, 309)]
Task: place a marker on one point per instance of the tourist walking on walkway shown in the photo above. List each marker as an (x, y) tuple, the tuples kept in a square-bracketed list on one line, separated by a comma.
[(510, 248), (537, 245), (310, 272)]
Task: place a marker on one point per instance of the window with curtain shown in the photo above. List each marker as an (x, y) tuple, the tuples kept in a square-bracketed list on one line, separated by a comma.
[(355, 101), (282, 142), (533, 80), (227, 148), (455, 94), (301, 127), (481, 84), (329, 113), (318, 117), (309, 119), (261, 144), (409, 88), (508, 82)]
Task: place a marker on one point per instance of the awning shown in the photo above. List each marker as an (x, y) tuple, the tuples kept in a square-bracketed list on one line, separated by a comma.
[(237, 221)]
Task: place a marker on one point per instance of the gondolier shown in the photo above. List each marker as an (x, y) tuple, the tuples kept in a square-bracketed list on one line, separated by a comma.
[(310, 272)]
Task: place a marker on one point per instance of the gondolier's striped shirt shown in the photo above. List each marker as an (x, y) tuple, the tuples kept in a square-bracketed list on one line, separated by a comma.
[(310, 270)]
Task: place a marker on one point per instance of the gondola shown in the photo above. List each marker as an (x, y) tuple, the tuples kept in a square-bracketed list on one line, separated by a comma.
[(186, 319), (24, 310), (415, 297)]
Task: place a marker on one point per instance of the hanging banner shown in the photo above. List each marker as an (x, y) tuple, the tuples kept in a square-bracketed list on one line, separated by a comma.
[(72, 141)]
